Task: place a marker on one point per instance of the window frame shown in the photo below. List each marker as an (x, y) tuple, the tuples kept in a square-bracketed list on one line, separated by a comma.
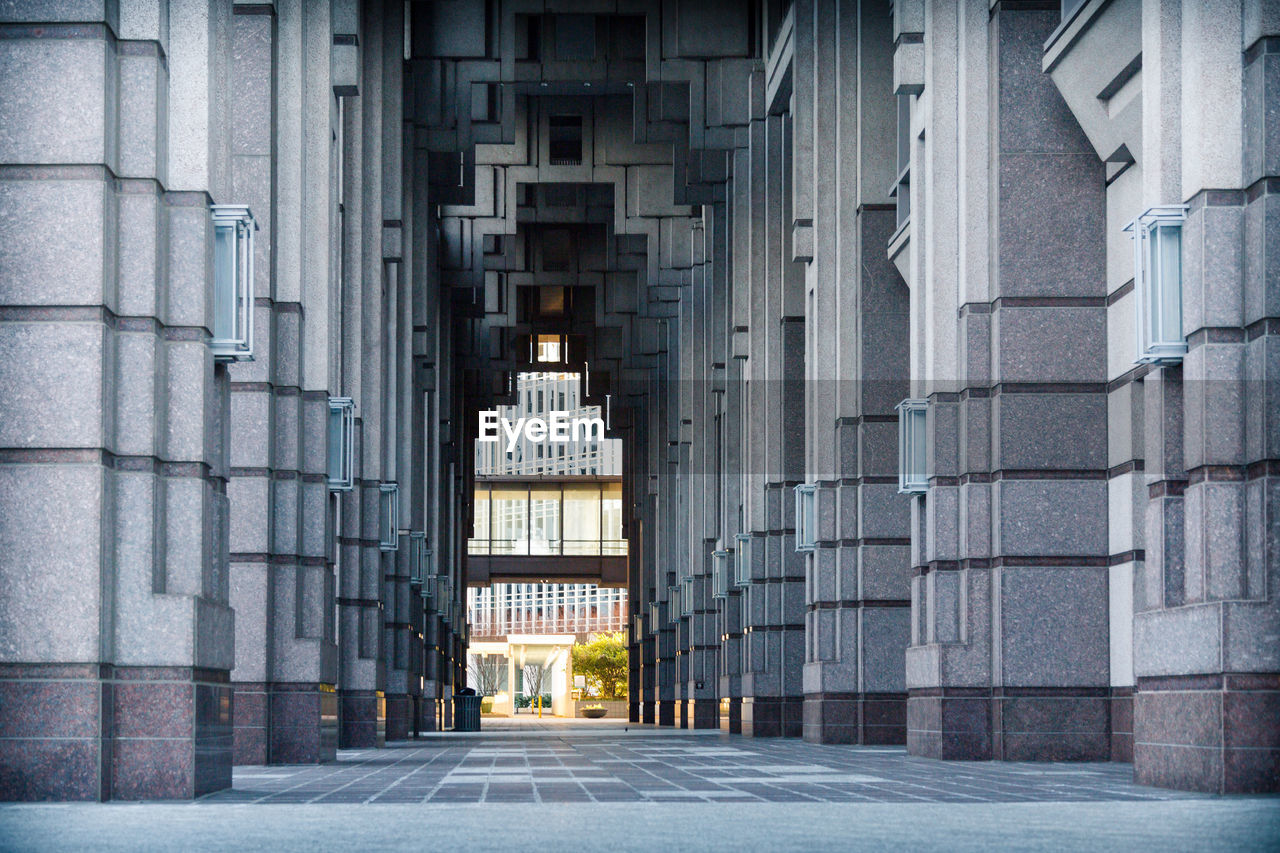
[(389, 516), (720, 573), (806, 521), (239, 345), (346, 450), (1151, 284), (742, 560), (913, 416)]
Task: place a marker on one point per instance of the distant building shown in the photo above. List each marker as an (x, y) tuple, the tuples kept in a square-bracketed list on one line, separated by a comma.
[(546, 608)]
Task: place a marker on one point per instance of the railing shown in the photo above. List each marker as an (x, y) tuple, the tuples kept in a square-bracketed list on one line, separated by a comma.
[(547, 548)]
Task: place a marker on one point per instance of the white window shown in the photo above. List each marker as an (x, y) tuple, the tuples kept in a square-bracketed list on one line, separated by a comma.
[(674, 608), (1157, 281), (742, 560), (655, 609), (342, 438), (720, 573), (233, 228), (686, 597), (390, 499), (912, 456), (805, 521)]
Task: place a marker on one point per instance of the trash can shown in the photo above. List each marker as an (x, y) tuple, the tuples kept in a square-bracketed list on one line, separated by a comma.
[(466, 711)]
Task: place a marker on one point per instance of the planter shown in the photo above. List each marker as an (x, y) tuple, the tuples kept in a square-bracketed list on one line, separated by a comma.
[(486, 705), (594, 713)]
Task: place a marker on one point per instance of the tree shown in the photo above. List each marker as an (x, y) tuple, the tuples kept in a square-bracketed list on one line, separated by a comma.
[(486, 674), (535, 676), (603, 661)]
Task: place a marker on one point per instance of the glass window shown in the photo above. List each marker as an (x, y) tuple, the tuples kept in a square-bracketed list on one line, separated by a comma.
[(233, 228), (913, 457), (479, 542), (544, 514), (510, 525), (581, 518), (1157, 276), (341, 444)]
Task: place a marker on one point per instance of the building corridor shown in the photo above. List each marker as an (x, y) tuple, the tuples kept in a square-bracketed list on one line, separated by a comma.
[(937, 343)]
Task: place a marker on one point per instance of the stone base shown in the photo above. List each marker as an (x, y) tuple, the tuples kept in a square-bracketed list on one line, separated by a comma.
[(861, 718), (1122, 724), (428, 714), (1212, 733), (361, 719), (96, 732), (702, 714), (666, 709), (1010, 724), (773, 716), (303, 723), (399, 716), (251, 716), (647, 712), (731, 715)]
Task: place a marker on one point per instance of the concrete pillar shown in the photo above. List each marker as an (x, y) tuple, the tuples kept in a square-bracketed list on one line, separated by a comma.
[(1012, 526), (117, 648), (1208, 685)]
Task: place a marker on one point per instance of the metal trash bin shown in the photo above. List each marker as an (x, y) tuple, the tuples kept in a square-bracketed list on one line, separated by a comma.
[(466, 712)]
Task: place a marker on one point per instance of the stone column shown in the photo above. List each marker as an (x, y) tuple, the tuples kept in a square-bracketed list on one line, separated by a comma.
[(1014, 525), (1207, 665), (116, 648), (772, 701)]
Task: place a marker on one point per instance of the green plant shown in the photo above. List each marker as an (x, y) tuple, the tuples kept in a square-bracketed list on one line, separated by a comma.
[(486, 705), (603, 661)]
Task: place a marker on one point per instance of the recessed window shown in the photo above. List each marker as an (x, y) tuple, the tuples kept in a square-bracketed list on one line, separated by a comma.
[(912, 458), (564, 144), (742, 560), (549, 348), (720, 573), (233, 228), (389, 539), (551, 300), (805, 521), (674, 608), (1157, 280), (686, 597), (342, 437), (655, 609)]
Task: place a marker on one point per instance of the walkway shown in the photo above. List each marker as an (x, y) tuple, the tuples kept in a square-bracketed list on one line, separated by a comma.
[(608, 785)]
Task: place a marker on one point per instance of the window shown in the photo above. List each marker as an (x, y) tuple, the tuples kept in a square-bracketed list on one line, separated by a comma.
[(805, 526), (674, 607), (1157, 280), (390, 495), (742, 560), (342, 437), (912, 458), (686, 597), (565, 140), (720, 574), (233, 228), (417, 556), (548, 349), (655, 610)]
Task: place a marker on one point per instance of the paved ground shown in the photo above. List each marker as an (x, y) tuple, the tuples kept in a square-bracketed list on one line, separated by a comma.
[(607, 786)]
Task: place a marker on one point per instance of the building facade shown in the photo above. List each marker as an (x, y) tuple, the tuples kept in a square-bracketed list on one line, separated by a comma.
[(940, 337)]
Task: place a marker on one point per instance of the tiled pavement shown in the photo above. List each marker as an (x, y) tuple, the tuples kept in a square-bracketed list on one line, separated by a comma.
[(558, 785), (582, 764)]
